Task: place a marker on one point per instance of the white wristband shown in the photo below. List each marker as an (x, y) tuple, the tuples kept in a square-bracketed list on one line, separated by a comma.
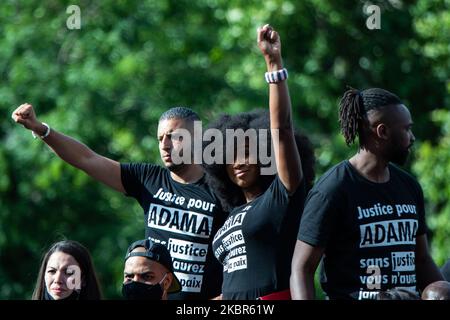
[(276, 76), (45, 134)]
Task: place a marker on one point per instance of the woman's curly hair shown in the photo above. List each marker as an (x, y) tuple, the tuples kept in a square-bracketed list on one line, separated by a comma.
[(231, 195)]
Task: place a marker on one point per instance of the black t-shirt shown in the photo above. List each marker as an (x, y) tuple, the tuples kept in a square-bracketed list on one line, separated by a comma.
[(183, 217), (256, 243), (368, 231)]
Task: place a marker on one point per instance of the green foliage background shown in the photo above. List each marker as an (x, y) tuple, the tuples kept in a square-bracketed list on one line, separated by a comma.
[(107, 83)]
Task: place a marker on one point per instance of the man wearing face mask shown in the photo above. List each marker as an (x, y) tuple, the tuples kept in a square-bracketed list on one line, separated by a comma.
[(148, 273)]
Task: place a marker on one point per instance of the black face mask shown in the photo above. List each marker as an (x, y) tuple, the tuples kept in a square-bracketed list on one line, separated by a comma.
[(134, 290)]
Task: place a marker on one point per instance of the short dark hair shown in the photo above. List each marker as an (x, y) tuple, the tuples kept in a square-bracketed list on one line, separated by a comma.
[(90, 289), (438, 290), (354, 106), (182, 113), (231, 195)]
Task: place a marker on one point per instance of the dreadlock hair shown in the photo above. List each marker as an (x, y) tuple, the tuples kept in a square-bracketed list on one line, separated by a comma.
[(354, 106), (182, 113), (231, 195)]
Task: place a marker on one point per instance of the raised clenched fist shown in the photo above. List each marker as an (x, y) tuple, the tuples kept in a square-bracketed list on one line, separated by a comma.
[(25, 115), (269, 42)]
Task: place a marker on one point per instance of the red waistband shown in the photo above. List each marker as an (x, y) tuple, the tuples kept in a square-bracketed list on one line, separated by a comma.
[(280, 295)]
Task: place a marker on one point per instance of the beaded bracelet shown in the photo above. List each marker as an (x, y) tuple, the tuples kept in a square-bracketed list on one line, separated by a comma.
[(276, 76), (45, 135)]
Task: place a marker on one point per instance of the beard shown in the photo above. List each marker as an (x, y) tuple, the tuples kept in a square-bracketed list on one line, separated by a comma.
[(398, 155), (400, 158), (397, 152), (175, 167), (176, 161)]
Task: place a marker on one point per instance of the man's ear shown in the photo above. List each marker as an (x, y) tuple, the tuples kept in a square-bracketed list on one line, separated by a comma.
[(167, 281), (382, 131)]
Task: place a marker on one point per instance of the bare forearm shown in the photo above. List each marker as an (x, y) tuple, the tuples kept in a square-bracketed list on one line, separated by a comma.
[(305, 260), (427, 272), (67, 148), (279, 100), (302, 286), (286, 153)]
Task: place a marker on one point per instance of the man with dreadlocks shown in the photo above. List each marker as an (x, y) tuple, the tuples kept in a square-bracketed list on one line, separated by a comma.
[(365, 216)]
